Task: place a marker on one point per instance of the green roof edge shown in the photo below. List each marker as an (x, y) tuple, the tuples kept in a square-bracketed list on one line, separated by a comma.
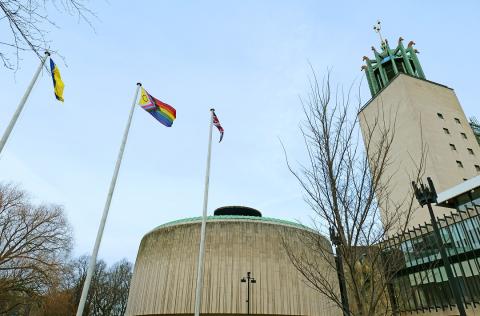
[(230, 217)]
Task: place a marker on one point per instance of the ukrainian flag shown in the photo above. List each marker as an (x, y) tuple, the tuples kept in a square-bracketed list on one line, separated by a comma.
[(58, 84)]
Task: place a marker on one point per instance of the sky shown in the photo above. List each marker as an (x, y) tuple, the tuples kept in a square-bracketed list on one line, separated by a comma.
[(248, 59)]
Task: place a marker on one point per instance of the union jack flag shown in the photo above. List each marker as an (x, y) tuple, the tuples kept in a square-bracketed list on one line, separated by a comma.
[(216, 122)]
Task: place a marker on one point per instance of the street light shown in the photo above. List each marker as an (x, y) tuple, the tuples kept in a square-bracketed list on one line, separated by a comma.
[(248, 280), (337, 242), (428, 195)]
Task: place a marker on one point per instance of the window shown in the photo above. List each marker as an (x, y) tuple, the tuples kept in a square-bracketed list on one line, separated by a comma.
[(477, 167), (470, 151), (452, 147), (459, 164), (464, 135), (457, 120), (446, 131), (440, 115)]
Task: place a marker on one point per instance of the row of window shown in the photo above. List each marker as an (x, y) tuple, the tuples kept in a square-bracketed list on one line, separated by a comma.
[(453, 147), (470, 150), (460, 165), (457, 120), (447, 131)]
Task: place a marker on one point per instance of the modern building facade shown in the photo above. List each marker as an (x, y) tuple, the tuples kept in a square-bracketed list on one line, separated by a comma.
[(421, 284), (164, 276), (428, 121), (432, 137)]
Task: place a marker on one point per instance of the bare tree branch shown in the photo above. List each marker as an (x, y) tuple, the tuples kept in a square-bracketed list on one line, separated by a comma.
[(27, 23), (34, 243), (345, 187)]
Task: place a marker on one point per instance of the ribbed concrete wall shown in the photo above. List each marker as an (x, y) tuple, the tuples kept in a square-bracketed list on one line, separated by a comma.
[(165, 271)]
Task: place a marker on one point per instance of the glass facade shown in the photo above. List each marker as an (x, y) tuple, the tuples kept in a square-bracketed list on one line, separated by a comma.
[(422, 283), (476, 128)]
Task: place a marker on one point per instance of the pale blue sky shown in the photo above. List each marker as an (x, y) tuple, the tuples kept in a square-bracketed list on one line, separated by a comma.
[(248, 59)]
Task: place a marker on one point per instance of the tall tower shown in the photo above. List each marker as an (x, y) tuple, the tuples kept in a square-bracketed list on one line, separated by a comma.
[(427, 119)]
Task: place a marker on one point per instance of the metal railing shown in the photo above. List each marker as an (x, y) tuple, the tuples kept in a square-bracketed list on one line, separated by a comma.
[(420, 280)]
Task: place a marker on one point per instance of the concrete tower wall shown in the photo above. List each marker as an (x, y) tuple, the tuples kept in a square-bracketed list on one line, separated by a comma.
[(165, 271), (412, 104)]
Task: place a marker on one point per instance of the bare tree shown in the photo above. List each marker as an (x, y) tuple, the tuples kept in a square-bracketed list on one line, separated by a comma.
[(37, 276), (26, 24), (35, 241), (345, 185), (108, 294), (119, 277), (110, 289)]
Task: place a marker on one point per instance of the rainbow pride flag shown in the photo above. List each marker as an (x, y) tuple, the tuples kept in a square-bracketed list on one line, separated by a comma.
[(161, 111)]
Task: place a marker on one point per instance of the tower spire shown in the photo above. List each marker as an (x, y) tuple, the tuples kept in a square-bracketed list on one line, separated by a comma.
[(389, 62), (378, 29)]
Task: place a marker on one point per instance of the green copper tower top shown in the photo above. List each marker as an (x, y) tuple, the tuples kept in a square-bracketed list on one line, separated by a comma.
[(389, 62)]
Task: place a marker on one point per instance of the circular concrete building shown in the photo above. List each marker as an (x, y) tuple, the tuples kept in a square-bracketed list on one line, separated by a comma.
[(238, 240)]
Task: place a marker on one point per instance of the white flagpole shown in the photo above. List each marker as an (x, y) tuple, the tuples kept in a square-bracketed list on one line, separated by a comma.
[(93, 258), (15, 116), (201, 253)]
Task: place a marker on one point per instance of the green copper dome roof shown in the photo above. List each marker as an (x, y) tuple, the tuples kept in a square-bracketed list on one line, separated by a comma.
[(219, 218)]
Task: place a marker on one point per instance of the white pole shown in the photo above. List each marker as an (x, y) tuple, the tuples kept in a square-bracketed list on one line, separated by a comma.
[(15, 116), (201, 253), (93, 258)]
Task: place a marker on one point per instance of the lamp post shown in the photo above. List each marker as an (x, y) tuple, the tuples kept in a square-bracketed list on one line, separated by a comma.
[(248, 280), (428, 195), (336, 241)]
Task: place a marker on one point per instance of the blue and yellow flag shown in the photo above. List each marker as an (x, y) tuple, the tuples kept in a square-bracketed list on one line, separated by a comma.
[(58, 84)]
